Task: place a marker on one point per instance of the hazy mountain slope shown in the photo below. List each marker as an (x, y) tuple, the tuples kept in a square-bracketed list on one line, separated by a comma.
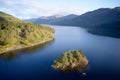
[(63, 20), (93, 18), (97, 17), (52, 19)]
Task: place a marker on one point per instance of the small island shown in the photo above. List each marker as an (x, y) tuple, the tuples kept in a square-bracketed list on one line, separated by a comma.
[(17, 34), (71, 61)]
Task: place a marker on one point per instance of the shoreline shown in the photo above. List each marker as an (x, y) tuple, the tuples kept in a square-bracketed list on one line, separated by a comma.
[(24, 46)]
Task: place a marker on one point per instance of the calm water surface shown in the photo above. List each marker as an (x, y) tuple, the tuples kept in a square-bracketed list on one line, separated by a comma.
[(35, 63)]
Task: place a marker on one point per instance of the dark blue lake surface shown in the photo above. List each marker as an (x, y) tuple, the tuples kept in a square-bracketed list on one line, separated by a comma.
[(35, 63)]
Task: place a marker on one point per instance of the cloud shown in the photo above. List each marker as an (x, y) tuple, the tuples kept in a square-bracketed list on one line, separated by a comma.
[(67, 11), (22, 9), (33, 8)]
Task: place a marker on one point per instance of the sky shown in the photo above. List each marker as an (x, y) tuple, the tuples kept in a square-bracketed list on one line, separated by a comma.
[(25, 9)]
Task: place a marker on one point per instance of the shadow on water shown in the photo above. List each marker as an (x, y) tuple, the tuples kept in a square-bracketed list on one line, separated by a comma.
[(13, 54)]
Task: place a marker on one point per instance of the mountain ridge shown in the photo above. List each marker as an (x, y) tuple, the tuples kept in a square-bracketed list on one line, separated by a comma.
[(51, 19), (98, 21)]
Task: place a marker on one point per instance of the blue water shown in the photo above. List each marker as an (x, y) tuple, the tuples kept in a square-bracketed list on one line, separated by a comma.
[(35, 63)]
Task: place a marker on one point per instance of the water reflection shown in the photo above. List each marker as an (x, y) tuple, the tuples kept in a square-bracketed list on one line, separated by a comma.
[(78, 69), (36, 47), (13, 54), (102, 53), (9, 55)]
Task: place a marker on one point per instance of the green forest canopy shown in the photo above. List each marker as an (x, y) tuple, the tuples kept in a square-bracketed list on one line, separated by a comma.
[(14, 32), (71, 60)]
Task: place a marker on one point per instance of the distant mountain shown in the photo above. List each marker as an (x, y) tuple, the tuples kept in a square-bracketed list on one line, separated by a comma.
[(51, 19), (103, 21), (98, 17), (93, 18), (89, 19), (67, 18), (44, 19)]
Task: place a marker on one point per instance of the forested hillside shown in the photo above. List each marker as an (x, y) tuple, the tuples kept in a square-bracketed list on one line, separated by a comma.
[(17, 34)]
